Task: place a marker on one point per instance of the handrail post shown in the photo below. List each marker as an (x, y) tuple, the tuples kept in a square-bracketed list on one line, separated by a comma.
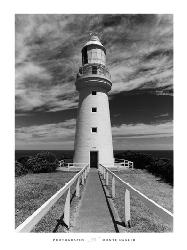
[(84, 173), (78, 188), (104, 175), (82, 179), (101, 168), (106, 178), (67, 209), (113, 187), (127, 208)]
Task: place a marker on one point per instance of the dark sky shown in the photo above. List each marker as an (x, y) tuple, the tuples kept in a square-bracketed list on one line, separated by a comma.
[(140, 60)]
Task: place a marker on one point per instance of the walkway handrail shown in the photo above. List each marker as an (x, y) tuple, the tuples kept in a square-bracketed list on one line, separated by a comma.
[(124, 162), (163, 213), (71, 164), (32, 220)]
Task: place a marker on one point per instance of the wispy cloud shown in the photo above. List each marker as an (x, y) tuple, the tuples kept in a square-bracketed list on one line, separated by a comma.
[(48, 55), (49, 134), (139, 58), (143, 137), (63, 134), (143, 130)]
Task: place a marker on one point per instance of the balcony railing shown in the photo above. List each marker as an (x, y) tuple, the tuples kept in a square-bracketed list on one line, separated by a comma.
[(94, 69)]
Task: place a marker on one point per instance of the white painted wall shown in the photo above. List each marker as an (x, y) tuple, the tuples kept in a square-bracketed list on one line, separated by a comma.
[(85, 140)]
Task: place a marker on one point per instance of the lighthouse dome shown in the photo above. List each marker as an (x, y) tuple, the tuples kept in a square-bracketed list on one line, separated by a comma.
[(94, 40)]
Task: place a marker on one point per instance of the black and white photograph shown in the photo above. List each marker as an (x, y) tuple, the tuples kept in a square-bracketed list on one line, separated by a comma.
[(94, 123)]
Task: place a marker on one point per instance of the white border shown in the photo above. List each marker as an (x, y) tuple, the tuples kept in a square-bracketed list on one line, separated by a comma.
[(9, 239)]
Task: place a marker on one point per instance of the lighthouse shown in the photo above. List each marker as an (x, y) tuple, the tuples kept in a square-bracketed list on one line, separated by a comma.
[(93, 137)]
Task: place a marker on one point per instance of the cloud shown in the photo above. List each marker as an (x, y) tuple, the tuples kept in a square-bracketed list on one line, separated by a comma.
[(139, 58), (53, 134), (143, 130), (48, 47), (31, 69), (143, 137), (63, 134)]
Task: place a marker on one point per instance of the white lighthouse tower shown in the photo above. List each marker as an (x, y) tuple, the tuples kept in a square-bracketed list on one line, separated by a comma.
[(93, 138)]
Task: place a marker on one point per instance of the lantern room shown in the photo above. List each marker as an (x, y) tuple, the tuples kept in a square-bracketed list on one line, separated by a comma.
[(93, 52)]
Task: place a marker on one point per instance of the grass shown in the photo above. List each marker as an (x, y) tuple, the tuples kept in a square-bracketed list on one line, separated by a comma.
[(142, 219), (32, 190)]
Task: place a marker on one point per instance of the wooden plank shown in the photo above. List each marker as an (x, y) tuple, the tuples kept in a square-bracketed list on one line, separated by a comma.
[(104, 175), (102, 171), (78, 188), (163, 213), (82, 179), (127, 208), (107, 178), (32, 220), (113, 187), (67, 209)]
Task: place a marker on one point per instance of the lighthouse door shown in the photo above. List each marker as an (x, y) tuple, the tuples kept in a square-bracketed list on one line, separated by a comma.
[(93, 159)]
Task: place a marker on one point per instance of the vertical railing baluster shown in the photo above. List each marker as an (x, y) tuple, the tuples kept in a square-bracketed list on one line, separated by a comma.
[(82, 180), (67, 209), (101, 168), (127, 208), (84, 173), (107, 178), (78, 188), (113, 187)]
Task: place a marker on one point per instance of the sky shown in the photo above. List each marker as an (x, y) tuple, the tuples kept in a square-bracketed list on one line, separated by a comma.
[(140, 60)]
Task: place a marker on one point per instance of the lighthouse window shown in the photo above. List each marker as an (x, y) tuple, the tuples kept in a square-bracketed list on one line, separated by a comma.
[(94, 130), (94, 69), (94, 92), (94, 109)]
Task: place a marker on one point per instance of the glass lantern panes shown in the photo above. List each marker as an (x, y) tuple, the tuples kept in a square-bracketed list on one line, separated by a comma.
[(89, 56), (95, 55)]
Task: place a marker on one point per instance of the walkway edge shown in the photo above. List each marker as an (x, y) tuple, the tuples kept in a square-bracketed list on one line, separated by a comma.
[(117, 219), (77, 209)]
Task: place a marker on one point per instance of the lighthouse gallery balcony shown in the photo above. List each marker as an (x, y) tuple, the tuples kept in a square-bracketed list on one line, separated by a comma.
[(93, 73)]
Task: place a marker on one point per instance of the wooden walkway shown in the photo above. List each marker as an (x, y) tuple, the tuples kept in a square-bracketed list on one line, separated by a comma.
[(94, 215)]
